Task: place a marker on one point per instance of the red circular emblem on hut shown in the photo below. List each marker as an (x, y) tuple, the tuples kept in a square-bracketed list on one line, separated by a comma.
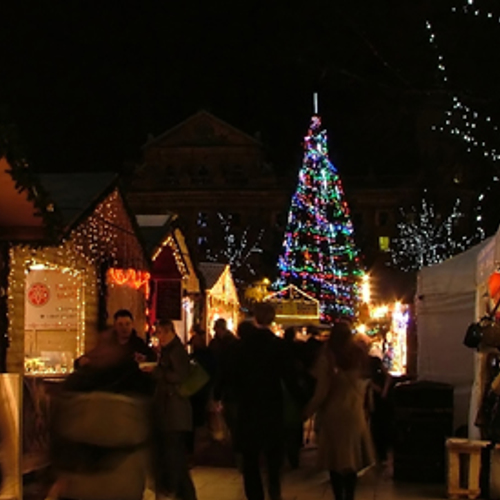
[(38, 294)]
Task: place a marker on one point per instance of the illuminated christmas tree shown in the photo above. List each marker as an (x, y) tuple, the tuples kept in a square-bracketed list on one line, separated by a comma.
[(319, 254)]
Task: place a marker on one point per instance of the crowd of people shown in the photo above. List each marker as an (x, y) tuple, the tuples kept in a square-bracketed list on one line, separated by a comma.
[(125, 416)]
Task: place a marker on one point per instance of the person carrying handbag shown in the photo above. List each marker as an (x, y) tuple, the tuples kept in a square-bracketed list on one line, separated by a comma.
[(172, 417)]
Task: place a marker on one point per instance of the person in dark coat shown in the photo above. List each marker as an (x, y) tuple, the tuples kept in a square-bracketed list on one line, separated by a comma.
[(294, 426), (380, 404), (222, 347), (127, 336), (173, 417), (259, 367), (201, 354)]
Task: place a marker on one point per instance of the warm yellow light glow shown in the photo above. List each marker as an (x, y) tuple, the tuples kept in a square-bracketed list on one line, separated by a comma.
[(361, 328), (365, 289), (379, 312), (37, 267)]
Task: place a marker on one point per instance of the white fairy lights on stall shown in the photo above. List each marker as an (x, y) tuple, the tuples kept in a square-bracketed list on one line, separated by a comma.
[(105, 236), (64, 259), (387, 327), (179, 261)]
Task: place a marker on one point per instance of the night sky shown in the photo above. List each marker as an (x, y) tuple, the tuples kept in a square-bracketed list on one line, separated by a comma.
[(86, 82)]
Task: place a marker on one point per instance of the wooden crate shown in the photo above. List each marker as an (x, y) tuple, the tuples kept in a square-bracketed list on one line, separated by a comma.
[(470, 452)]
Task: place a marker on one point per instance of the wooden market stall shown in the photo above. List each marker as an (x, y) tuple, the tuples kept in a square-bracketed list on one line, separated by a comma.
[(72, 261), (221, 296), (294, 307), (175, 287)]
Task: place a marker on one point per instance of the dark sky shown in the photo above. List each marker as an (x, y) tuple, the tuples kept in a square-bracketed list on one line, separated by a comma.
[(86, 81)]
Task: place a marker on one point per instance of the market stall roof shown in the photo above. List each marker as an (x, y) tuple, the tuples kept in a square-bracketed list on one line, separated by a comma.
[(161, 230), (154, 229), (76, 194), (92, 203), (453, 276), (211, 272), (218, 280), (294, 307)]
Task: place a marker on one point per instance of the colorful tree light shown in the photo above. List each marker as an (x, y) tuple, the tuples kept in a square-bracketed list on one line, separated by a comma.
[(319, 255)]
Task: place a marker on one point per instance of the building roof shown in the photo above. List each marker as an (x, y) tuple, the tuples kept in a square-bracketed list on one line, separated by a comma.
[(197, 115), (211, 272), (154, 229), (74, 194)]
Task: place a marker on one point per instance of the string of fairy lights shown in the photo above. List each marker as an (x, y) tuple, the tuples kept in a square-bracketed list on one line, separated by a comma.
[(319, 254), (237, 250), (425, 239), (105, 236), (472, 7), (463, 121)]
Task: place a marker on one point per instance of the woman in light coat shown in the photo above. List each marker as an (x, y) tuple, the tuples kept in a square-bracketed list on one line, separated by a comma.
[(344, 441)]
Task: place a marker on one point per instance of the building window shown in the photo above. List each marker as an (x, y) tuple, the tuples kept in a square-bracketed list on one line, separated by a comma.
[(382, 219), (384, 243), (235, 175), (202, 219), (167, 175), (201, 176), (357, 220)]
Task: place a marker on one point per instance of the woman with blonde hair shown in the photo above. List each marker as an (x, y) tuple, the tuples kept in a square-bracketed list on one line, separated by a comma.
[(344, 441)]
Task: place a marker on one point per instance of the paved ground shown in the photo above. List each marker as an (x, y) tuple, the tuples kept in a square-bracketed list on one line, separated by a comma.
[(307, 483), (218, 479)]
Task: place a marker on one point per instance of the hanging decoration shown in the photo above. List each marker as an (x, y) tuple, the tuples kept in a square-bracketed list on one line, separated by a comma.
[(494, 285), (131, 277)]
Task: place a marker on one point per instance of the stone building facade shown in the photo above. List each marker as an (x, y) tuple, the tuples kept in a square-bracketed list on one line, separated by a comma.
[(207, 171)]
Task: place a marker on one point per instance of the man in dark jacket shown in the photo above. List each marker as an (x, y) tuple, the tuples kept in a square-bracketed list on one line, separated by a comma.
[(260, 367), (174, 417), (127, 336), (221, 347)]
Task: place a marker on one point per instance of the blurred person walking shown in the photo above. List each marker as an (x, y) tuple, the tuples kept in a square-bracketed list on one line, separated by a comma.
[(101, 427), (344, 442), (201, 354), (173, 417), (259, 367), (293, 408), (222, 347)]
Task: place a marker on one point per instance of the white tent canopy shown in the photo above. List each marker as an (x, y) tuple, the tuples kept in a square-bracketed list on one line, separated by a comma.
[(446, 303)]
